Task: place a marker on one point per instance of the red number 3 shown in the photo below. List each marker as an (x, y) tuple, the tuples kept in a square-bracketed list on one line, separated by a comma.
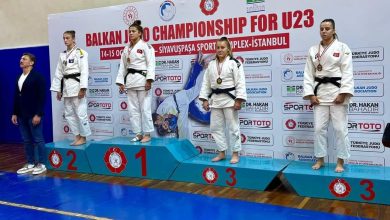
[(369, 189)]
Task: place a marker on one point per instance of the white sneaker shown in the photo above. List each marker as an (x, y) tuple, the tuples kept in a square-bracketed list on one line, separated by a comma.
[(39, 168), (26, 169)]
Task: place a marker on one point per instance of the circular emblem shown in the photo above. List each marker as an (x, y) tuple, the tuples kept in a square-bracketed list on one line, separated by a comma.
[(123, 105), (66, 129), (209, 7), (130, 14), (92, 117), (158, 92), (291, 124), (115, 160), (290, 140), (290, 156), (287, 74), (55, 159), (210, 175), (288, 58), (199, 148), (167, 10), (241, 59), (340, 188), (243, 138)]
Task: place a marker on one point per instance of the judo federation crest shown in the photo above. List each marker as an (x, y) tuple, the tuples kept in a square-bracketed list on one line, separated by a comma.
[(115, 160), (340, 188), (210, 175), (55, 159), (209, 7)]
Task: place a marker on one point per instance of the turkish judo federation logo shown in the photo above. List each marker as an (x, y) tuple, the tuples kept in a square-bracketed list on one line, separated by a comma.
[(340, 188), (115, 160), (55, 159), (210, 175)]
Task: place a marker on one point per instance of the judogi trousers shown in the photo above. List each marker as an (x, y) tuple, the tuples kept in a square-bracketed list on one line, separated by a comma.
[(140, 104), (338, 115), (75, 110), (225, 118)]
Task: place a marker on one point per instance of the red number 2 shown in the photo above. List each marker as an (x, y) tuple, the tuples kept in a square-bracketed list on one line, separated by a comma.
[(70, 165)]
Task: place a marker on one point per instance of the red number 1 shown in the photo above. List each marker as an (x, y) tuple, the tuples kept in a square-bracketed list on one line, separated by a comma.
[(142, 154)]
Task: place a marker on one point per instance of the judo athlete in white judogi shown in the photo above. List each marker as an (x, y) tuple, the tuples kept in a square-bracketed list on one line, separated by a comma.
[(223, 91), (135, 76), (70, 81), (329, 85)]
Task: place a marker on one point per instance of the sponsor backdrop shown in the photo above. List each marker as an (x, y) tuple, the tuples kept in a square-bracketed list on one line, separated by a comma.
[(270, 38)]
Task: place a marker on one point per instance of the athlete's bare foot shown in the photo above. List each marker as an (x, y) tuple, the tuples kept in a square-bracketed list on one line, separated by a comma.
[(339, 166), (76, 139), (221, 156), (320, 163), (82, 140), (146, 138), (235, 158)]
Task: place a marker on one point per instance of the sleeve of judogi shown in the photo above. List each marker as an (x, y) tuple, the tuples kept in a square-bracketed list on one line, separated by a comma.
[(308, 78), (205, 91), (58, 75), (120, 78), (347, 83), (150, 62), (239, 80), (84, 71)]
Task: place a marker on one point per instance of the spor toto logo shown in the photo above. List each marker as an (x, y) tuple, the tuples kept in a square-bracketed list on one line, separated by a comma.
[(209, 7), (340, 188), (55, 159), (291, 124), (210, 175), (115, 160), (130, 14)]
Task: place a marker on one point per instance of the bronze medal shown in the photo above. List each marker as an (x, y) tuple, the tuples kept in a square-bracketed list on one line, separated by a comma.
[(219, 80), (319, 67), (128, 59)]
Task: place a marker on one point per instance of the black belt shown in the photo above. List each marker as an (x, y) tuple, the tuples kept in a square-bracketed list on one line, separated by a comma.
[(177, 106), (134, 71), (325, 80), (226, 91), (69, 76)]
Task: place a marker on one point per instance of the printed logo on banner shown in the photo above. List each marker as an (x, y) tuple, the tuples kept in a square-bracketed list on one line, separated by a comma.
[(297, 107), (255, 60), (365, 126), (160, 92), (102, 67), (99, 92), (301, 156), (130, 14), (99, 80), (66, 129), (251, 151), (255, 6), (169, 64), (257, 123), (289, 90), (367, 54), (98, 117), (115, 159), (258, 76), (298, 140), (198, 135), (124, 118), (208, 7), (366, 160), (366, 144), (368, 89), (365, 107), (251, 106), (123, 105), (164, 78), (298, 124), (99, 105), (250, 138), (292, 74), (167, 10), (126, 131), (293, 58), (258, 91), (368, 72), (98, 130)]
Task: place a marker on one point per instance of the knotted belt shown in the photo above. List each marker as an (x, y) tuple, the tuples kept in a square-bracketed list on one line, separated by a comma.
[(134, 71), (325, 80), (69, 76), (226, 91)]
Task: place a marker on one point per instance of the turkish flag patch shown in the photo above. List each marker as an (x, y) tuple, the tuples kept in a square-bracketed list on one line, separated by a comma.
[(336, 54), (140, 51)]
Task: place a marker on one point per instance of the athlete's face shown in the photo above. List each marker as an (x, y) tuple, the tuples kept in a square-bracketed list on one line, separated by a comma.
[(68, 40), (327, 31), (134, 34), (222, 50)]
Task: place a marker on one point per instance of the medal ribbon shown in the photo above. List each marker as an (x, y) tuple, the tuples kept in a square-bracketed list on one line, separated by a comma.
[(325, 49), (219, 67), (68, 54)]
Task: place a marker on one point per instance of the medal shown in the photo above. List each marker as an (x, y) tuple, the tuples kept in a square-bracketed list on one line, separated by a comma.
[(219, 71), (128, 59), (64, 62), (219, 80), (319, 67)]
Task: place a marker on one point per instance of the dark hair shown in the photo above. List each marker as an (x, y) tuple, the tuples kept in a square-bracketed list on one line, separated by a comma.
[(31, 56), (330, 20), (225, 39), (72, 33), (137, 25)]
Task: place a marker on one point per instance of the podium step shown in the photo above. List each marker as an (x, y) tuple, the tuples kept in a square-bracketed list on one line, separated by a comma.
[(249, 173), (357, 183)]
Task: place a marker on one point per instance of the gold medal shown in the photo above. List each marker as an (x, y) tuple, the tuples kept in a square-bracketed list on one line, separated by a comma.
[(219, 80), (319, 67)]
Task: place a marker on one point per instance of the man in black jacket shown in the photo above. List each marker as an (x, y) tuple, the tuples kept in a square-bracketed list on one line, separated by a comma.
[(29, 101)]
